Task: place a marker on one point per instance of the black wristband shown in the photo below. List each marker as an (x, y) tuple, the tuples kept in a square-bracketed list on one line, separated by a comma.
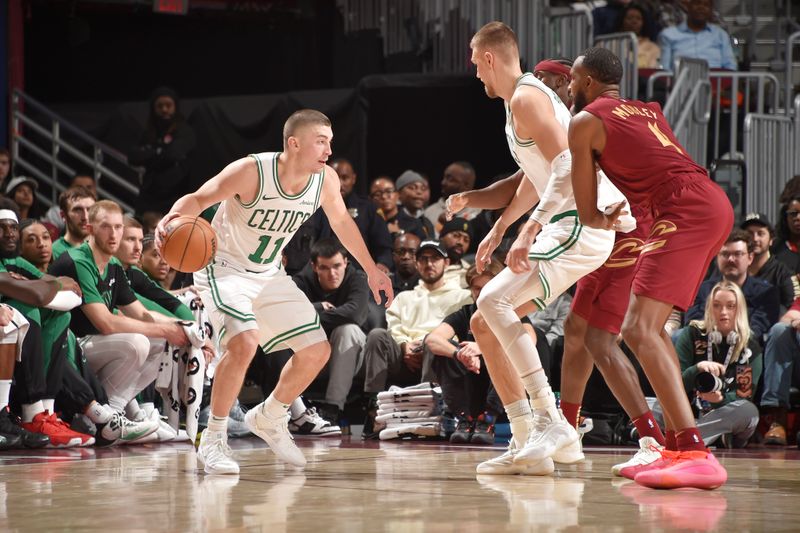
[(455, 353)]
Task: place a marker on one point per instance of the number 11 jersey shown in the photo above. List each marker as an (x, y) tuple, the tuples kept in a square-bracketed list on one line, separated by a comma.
[(253, 235)]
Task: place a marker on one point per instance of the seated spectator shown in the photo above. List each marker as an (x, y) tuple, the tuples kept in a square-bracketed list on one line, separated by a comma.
[(720, 346), (466, 386), (632, 19), (123, 349), (458, 177), (339, 293), (697, 38), (456, 237), (364, 214), (790, 190), (35, 244), (23, 191), (165, 150), (781, 371), (53, 215), (74, 203), (787, 249), (414, 194), (551, 319), (385, 197), (397, 356), (733, 260), (764, 265), (405, 275), (5, 167)]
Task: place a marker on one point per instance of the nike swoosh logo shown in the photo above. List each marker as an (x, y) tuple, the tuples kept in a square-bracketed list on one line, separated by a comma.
[(267, 198)]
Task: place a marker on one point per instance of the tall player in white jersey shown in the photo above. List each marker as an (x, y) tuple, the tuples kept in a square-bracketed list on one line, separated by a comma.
[(553, 250), (252, 302)]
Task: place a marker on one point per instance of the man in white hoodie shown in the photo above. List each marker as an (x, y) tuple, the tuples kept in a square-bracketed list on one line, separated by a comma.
[(395, 356)]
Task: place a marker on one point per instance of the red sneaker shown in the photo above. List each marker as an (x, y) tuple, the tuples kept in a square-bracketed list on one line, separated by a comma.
[(688, 469), (61, 436), (667, 458)]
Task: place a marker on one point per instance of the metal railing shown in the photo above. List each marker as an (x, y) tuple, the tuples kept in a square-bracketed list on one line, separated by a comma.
[(626, 47), (791, 42), (568, 35), (688, 108), (796, 144), (769, 141), (52, 150), (444, 27)]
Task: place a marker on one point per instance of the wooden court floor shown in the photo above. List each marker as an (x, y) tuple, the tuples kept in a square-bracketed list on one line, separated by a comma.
[(350, 486)]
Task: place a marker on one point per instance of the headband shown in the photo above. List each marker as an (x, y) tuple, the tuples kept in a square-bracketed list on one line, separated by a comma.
[(554, 67), (8, 214)]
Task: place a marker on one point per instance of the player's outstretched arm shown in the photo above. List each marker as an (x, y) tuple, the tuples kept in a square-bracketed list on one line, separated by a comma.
[(587, 135), (347, 232), (494, 196)]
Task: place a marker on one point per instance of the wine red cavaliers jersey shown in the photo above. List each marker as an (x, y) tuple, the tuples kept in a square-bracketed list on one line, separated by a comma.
[(641, 153)]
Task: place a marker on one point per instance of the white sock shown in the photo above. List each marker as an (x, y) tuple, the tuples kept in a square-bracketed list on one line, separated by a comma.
[(520, 427), (5, 392), (272, 408), (49, 405), (29, 410), (99, 414), (517, 409), (218, 424), (297, 407), (132, 409), (147, 407)]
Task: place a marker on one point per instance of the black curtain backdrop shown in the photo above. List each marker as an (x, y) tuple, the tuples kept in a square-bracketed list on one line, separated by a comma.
[(384, 126)]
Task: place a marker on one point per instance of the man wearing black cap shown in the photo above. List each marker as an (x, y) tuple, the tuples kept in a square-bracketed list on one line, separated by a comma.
[(764, 265), (164, 152), (396, 355), (456, 236)]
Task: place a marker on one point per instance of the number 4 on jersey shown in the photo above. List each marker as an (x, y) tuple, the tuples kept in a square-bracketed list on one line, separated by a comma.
[(663, 139)]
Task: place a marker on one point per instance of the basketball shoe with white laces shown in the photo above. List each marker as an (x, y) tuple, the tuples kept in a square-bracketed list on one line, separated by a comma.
[(120, 429), (649, 452), (275, 432), (551, 437), (506, 465), (215, 455), (311, 423)]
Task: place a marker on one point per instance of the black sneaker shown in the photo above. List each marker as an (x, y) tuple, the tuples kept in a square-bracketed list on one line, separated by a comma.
[(329, 412), (372, 428), (464, 429), (483, 434), (16, 436)]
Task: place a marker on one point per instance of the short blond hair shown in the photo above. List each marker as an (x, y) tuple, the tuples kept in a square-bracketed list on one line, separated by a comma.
[(301, 119), (498, 37), (103, 205)]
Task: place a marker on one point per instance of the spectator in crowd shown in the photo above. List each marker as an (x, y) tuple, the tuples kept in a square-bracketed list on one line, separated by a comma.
[(164, 151), (123, 349), (75, 203), (397, 355), (697, 38), (364, 214), (764, 264), (153, 264), (781, 372), (53, 215), (339, 293), (733, 260), (36, 247), (466, 386), (787, 249), (385, 197), (790, 190), (23, 191), (456, 237), (607, 19), (633, 19), (555, 74), (720, 346), (405, 275), (551, 319), (5, 166), (458, 177), (414, 194)]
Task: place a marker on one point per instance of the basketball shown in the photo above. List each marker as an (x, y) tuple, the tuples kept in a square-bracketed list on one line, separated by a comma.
[(189, 243)]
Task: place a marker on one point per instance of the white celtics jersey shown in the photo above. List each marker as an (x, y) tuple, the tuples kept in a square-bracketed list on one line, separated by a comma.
[(253, 235), (536, 166)]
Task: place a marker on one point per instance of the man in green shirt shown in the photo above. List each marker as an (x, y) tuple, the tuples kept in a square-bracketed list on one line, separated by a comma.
[(74, 203)]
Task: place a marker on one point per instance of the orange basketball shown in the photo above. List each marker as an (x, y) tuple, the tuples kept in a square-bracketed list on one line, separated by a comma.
[(190, 243)]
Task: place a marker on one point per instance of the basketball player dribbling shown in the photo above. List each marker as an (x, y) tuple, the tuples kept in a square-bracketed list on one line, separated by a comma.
[(251, 301), (633, 144), (553, 250)]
